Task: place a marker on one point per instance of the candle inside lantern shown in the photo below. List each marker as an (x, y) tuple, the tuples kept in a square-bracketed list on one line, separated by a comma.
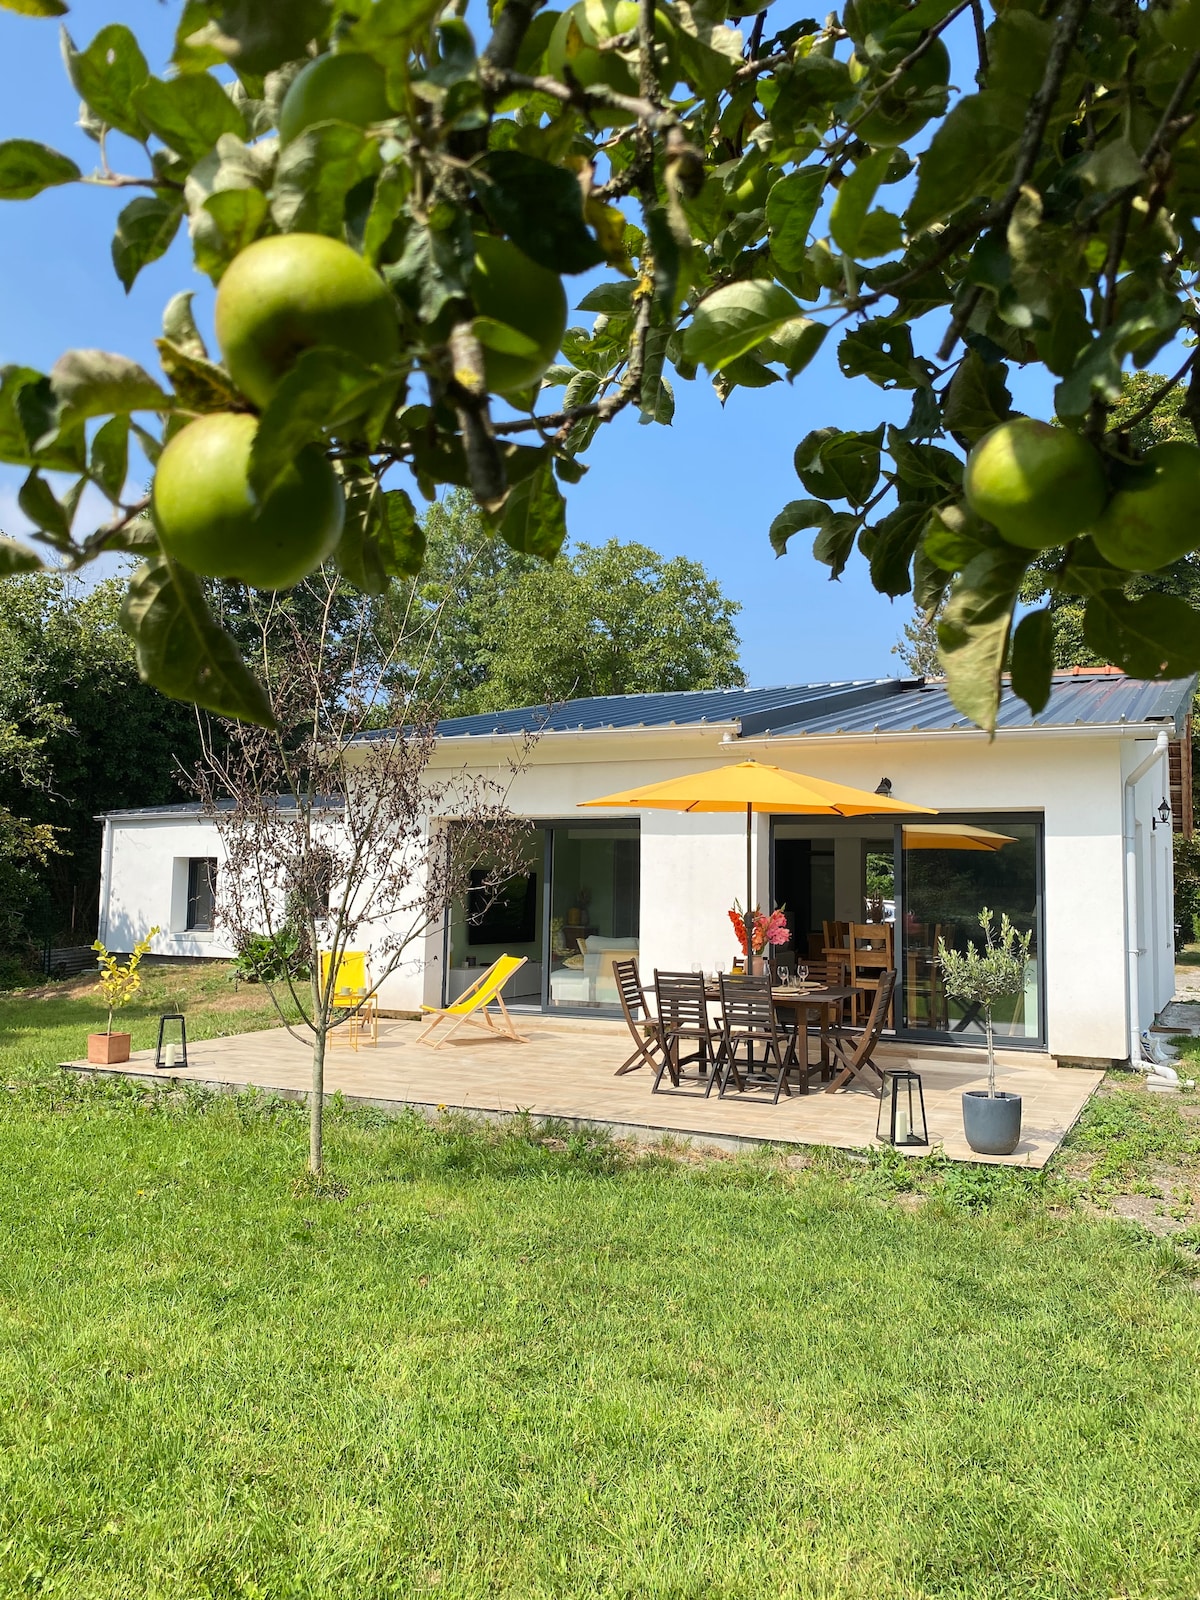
[(902, 1123), (172, 1054)]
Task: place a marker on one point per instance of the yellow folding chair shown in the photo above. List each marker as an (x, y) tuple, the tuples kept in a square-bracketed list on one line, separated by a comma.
[(352, 992), (472, 1006)]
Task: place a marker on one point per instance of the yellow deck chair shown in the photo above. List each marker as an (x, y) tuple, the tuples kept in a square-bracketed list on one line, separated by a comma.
[(472, 1006), (352, 992)]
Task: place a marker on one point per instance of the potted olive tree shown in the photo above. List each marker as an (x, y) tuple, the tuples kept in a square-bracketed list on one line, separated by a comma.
[(118, 985), (980, 977)]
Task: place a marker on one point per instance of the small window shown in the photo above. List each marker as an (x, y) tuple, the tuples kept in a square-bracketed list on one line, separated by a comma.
[(202, 893)]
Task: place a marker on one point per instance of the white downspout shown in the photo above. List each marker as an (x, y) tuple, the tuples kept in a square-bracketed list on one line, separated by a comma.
[(105, 882), (1134, 1034)]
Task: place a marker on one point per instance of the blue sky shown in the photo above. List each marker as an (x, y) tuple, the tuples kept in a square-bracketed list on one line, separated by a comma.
[(708, 487)]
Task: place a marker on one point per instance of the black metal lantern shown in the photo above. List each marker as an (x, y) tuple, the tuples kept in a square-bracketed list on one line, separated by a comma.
[(1164, 814), (902, 1110), (170, 1054)]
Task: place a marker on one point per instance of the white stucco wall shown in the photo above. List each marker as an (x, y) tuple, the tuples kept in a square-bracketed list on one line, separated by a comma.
[(693, 867), (145, 868)]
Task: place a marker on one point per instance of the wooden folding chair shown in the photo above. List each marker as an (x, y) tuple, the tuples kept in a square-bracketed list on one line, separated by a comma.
[(683, 1017), (748, 1019), (853, 1048), (472, 1006), (871, 954), (647, 1036), (353, 994)]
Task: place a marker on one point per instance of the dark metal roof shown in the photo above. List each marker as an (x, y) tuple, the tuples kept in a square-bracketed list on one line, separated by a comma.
[(753, 710), (860, 705), (1076, 700)]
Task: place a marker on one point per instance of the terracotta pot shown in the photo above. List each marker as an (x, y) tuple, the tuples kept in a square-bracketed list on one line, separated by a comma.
[(108, 1049)]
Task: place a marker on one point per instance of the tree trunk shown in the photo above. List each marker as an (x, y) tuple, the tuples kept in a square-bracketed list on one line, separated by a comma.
[(316, 1104), (987, 1020)]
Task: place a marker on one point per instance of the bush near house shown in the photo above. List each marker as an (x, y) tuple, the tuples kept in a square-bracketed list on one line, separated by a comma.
[(1187, 885)]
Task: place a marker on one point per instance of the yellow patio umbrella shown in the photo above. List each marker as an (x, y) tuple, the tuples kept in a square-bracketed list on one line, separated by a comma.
[(754, 786), (956, 836)]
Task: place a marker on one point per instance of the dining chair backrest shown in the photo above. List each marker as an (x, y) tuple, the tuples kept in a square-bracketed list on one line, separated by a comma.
[(682, 1003), (854, 1049), (837, 934), (877, 1016), (872, 944), (629, 988), (746, 1005)]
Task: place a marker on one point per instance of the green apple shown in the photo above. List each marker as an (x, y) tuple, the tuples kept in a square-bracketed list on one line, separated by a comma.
[(1037, 484), (906, 106), (510, 289), (208, 520), (290, 293), (335, 88), (1157, 518)]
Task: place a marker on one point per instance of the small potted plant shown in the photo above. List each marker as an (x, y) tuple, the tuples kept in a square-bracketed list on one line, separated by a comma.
[(118, 985), (980, 977)]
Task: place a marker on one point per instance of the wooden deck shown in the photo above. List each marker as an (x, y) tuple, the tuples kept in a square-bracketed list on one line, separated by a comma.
[(565, 1071)]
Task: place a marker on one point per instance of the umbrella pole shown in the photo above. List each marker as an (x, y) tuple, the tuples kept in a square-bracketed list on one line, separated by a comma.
[(749, 917)]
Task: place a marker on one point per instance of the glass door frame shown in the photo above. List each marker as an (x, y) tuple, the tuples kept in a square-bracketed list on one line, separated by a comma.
[(546, 826), (630, 825), (996, 819), (990, 818)]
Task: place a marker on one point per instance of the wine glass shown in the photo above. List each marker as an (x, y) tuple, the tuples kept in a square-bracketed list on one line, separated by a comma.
[(802, 972), (783, 973)]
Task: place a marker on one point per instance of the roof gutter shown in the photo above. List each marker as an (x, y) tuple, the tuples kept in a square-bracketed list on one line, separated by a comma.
[(1073, 730), (469, 741), (151, 815)]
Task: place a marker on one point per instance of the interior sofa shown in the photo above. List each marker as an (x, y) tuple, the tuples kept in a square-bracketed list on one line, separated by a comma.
[(591, 982)]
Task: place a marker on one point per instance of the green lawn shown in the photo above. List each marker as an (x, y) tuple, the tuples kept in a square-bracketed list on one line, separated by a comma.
[(509, 1363), (43, 1026)]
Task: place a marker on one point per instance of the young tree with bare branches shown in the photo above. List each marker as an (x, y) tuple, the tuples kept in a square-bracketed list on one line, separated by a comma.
[(336, 829)]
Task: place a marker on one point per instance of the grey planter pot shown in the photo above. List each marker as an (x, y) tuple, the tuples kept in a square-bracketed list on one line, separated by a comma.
[(992, 1126)]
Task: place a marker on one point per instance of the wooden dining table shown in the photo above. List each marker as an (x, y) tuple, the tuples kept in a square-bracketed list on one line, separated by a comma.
[(826, 999)]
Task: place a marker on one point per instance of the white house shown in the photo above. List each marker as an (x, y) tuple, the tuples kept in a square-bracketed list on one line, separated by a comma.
[(1063, 820)]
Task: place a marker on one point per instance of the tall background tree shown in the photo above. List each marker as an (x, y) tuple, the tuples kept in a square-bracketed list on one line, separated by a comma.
[(752, 191), (616, 618), (79, 734)]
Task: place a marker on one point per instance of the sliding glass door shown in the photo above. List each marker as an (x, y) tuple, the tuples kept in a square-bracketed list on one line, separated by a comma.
[(951, 869), (594, 911), (571, 909), (933, 878)]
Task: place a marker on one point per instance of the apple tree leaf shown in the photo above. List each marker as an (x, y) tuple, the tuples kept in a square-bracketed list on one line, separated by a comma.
[(838, 465), (1033, 659), (105, 75), (26, 168), (534, 518), (188, 113), (96, 383), (16, 557), (110, 456), (974, 631), (733, 319), (540, 207), (183, 651), (145, 229)]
